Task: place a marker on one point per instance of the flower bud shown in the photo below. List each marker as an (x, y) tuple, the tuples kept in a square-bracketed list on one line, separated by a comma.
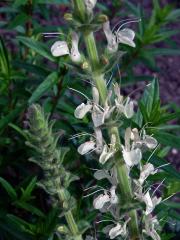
[(85, 65), (102, 18), (68, 16)]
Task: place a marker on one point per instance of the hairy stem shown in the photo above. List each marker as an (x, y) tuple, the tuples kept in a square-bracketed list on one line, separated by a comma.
[(68, 214), (123, 178)]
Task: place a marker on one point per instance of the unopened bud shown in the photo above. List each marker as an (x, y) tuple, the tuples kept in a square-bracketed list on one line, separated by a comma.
[(68, 17), (105, 60), (102, 18), (63, 229), (85, 65)]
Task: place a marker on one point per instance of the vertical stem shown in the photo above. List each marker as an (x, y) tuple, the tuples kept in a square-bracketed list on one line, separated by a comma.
[(123, 178), (68, 215)]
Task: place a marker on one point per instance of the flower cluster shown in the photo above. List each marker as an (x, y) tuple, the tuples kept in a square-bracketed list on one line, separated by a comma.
[(131, 150)]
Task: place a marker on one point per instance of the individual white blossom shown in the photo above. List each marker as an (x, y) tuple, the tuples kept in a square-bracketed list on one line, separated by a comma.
[(59, 48), (82, 110), (118, 230), (90, 4), (111, 38), (126, 36), (74, 52), (99, 202), (86, 147), (151, 203), (108, 152), (132, 156), (144, 140), (110, 175), (113, 196), (108, 197), (147, 170), (150, 227), (98, 116), (126, 108), (129, 108)]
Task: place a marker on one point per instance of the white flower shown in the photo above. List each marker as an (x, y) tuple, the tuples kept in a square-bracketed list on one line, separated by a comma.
[(147, 170), (74, 52), (82, 110), (114, 197), (145, 139), (132, 156), (126, 36), (150, 142), (129, 108), (90, 4), (86, 147), (118, 230), (111, 38), (110, 175), (108, 152), (98, 116), (150, 224), (110, 198), (59, 48), (150, 203), (99, 202)]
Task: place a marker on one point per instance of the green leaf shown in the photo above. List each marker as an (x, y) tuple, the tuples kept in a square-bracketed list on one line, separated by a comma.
[(18, 3), (164, 51), (44, 87), (30, 208), (38, 47), (168, 139), (10, 117), (26, 193), (20, 19), (156, 161), (150, 96), (4, 59), (173, 15), (9, 189)]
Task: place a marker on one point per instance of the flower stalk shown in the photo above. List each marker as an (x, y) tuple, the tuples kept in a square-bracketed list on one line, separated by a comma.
[(100, 83), (49, 157)]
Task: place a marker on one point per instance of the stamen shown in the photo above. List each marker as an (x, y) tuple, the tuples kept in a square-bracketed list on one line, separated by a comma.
[(125, 20), (80, 135), (152, 153), (132, 21), (106, 221), (162, 166), (158, 187), (110, 79), (168, 198), (92, 193), (75, 90)]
